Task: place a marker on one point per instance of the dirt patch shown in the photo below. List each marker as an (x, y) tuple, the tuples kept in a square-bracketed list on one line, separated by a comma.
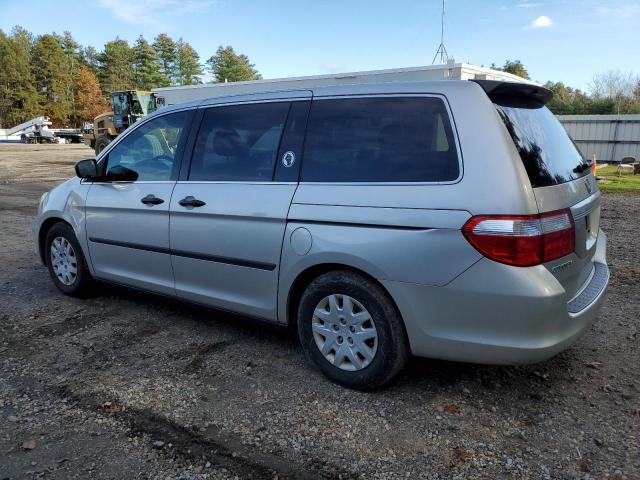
[(203, 395)]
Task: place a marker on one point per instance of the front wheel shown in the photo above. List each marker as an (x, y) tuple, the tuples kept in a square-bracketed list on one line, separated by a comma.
[(101, 143), (66, 262), (350, 328)]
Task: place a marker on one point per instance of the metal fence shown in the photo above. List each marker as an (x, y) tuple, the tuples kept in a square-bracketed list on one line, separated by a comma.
[(610, 137)]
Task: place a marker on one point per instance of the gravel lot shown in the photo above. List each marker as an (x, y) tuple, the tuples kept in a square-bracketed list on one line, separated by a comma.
[(198, 394)]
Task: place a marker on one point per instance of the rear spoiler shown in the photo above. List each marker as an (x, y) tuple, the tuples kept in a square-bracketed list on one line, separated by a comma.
[(513, 94)]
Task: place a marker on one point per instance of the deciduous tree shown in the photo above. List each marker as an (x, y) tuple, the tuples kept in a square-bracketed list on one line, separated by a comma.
[(90, 101), (515, 67), (617, 87)]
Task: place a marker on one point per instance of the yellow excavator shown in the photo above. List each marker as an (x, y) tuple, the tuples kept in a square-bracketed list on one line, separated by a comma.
[(129, 106)]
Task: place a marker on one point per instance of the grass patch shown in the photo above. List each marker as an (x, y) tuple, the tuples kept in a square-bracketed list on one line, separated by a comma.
[(614, 183)]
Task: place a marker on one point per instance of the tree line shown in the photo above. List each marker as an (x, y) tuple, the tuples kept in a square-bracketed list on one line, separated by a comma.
[(54, 75), (612, 92)]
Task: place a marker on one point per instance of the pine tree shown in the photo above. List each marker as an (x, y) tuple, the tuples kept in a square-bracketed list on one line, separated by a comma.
[(147, 66), (72, 49), (90, 101), (52, 78), (116, 66), (227, 66), (90, 58), (73, 55), (188, 68), (166, 49), (18, 95)]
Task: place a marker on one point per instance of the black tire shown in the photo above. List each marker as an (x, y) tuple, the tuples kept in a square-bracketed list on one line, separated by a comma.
[(392, 348), (82, 283), (101, 143)]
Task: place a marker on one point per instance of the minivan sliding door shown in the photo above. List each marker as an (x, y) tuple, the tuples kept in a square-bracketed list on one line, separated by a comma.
[(228, 215)]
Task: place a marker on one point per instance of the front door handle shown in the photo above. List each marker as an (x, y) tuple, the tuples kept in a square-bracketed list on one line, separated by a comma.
[(191, 202), (151, 199)]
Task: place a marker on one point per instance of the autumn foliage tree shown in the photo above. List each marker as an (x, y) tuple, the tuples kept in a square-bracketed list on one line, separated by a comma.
[(90, 101), (514, 67)]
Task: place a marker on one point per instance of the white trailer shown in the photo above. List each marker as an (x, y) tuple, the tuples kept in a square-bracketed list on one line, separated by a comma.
[(450, 71), (36, 129), (27, 126)]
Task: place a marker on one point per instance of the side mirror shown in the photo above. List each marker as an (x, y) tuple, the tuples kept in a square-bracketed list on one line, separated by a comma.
[(119, 173), (87, 169)]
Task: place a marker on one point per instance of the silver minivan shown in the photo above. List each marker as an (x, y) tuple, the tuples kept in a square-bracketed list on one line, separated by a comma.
[(449, 219)]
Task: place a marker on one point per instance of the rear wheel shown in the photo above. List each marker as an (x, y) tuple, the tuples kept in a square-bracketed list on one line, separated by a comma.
[(101, 143), (66, 262), (351, 330)]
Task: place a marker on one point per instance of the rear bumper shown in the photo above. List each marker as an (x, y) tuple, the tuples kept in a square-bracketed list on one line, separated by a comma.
[(497, 314)]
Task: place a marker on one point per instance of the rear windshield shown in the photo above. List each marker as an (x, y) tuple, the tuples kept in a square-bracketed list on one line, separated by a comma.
[(548, 154)]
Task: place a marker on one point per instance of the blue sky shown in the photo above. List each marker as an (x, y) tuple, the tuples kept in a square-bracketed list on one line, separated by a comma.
[(556, 40)]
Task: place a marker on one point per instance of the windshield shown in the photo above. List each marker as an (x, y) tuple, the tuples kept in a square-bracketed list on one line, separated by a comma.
[(142, 104), (549, 155)]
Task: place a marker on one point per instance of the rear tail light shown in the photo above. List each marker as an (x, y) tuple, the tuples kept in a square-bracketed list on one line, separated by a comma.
[(522, 240)]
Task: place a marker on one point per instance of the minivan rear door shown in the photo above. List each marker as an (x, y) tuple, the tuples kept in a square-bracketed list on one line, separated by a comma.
[(229, 210), (560, 177)]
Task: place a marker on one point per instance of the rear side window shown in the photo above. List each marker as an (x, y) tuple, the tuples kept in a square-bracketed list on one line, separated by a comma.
[(548, 154), (386, 139), (238, 142)]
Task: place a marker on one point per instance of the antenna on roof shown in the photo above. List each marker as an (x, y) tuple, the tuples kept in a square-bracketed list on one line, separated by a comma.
[(442, 50)]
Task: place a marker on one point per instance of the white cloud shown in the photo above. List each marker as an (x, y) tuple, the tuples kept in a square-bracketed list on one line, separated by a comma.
[(529, 4), (333, 68), (621, 10), (144, 12), (542, 22)]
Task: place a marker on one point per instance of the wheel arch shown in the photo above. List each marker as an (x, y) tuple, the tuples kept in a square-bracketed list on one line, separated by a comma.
[(44, 229), (308, 275)]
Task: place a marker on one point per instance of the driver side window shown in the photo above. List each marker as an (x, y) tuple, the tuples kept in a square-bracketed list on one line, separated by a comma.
[(148, 153)]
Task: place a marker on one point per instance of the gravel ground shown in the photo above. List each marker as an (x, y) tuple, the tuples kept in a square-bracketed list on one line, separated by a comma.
[(126, 385)]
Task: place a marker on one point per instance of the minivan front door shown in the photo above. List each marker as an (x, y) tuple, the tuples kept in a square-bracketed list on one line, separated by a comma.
[(228, 216), (127, 214)]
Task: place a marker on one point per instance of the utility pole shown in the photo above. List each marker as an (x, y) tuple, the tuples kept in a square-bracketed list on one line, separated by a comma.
[(442, 50)]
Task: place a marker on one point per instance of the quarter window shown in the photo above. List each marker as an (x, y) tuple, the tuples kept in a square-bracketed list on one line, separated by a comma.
[(238, 142), (148, 153), (389, 139)]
